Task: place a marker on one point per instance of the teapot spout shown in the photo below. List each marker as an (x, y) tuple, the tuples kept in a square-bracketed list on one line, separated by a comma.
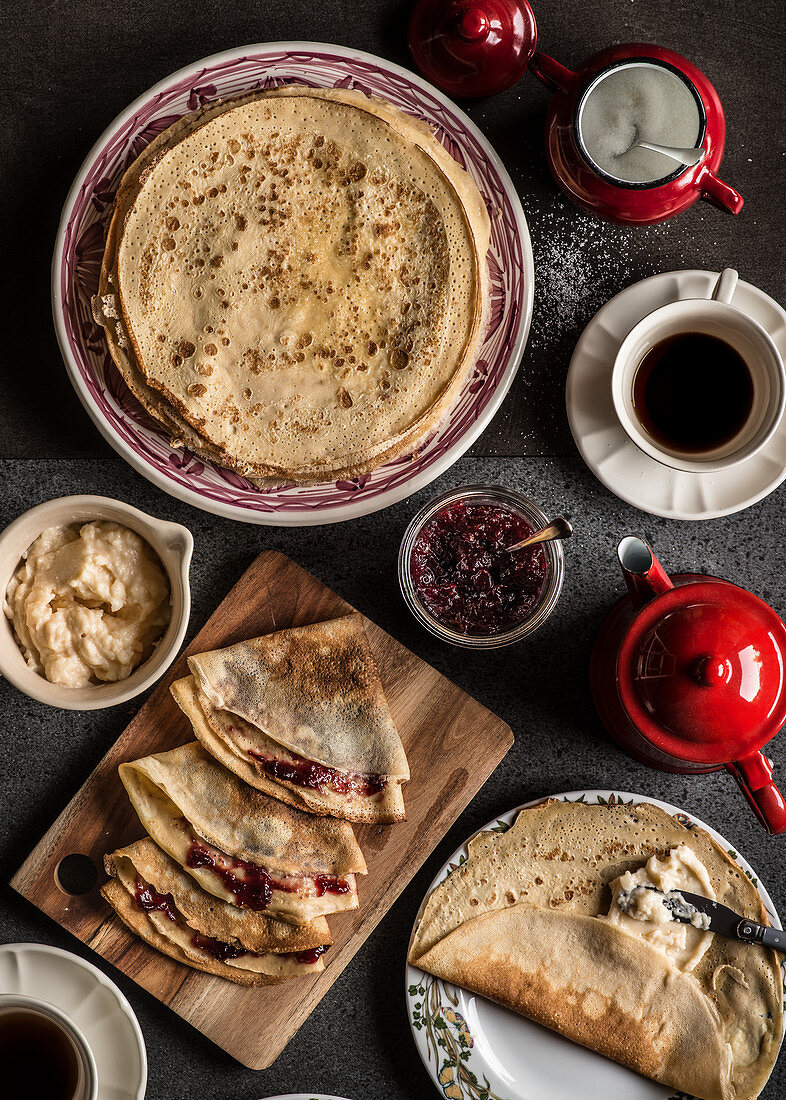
[(644, 574)]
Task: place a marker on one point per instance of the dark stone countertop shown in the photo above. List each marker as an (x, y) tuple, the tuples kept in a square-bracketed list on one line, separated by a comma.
[(68, 70)]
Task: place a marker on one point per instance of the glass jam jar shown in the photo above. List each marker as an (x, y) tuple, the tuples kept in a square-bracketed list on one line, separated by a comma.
[(457, 577)]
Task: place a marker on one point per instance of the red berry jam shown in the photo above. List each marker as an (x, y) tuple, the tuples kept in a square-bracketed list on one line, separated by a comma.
[(149, 900), (307, 773), (217, 948), (251, 885), (308, 958), (465, 577), (327, 884)]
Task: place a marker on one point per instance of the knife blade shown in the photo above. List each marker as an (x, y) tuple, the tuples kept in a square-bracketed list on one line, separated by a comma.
[(725, 921)]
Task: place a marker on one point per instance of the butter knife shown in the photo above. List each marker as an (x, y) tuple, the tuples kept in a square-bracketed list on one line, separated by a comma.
[(725, 921)]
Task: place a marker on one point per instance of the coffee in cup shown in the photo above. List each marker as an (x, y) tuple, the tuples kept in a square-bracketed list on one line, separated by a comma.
[(698, 384), (42, 1054)]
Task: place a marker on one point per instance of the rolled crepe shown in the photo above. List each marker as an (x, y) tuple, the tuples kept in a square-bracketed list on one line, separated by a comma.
[(164, 906), (301, 714), (246, 848)]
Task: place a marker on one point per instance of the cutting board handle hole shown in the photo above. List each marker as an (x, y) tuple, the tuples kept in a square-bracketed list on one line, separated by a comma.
[(76, 874)]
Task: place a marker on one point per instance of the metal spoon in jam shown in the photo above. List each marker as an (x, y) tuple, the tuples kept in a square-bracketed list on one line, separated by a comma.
[(560, 528)]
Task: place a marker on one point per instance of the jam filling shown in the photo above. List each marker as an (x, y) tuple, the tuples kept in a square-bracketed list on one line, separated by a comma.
[(252, 886), (307, 773), (149, 900), (308, 958), (217, 948), (464, 575)]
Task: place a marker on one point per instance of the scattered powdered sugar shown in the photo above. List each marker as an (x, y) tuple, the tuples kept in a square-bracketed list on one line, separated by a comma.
[(581, 262)]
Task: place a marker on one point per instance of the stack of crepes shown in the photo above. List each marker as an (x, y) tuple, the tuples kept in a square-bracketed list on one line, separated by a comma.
[(249, 844), (294, 282), (529, 921)]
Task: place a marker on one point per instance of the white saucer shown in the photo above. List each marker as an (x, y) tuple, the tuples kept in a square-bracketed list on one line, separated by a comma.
[(610, 453), (95, 1004)]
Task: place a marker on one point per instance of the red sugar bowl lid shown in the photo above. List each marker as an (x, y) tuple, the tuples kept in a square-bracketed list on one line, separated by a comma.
[(702, 672)]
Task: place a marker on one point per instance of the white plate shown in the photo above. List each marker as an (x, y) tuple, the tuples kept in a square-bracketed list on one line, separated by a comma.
[(610, 453), (95, 1004), (511, 1057), (79, 249)]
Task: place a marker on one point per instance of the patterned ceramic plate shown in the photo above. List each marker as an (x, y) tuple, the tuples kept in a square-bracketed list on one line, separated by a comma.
[(77, 263), (476, 1050)]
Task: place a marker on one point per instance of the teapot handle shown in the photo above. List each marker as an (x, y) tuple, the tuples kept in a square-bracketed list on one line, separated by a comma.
[(754, 775), (720, 194), (549, 72)]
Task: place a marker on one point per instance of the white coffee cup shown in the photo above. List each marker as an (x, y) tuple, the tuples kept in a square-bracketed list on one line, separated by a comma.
[(713, 316), (87, 1081)]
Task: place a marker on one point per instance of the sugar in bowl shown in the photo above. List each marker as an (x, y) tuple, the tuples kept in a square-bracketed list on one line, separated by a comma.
[(599, 114)]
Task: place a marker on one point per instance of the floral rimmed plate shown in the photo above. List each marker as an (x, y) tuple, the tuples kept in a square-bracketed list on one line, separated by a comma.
[(77, 262), (476, 1050)]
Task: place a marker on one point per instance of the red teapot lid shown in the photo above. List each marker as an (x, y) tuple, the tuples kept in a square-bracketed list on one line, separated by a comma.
[(702, 672)]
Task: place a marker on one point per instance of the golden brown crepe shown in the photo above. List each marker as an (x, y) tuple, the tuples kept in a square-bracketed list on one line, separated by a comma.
[(294, 282), (163, 905), (301, 714), (595, 984), (522, 921), (240, 845)]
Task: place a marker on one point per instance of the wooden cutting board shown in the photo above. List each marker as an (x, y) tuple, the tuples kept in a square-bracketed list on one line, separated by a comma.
[(452, 742)]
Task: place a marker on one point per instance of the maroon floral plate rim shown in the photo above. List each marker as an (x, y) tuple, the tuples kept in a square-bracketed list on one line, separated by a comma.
[(77, 260)]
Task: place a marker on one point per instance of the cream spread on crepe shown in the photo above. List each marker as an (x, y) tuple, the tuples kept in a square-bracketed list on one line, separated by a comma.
[(745, 1031), (647, 917), (88, 603)]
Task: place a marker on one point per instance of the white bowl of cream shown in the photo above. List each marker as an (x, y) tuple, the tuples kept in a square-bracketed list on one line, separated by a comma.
[(81, 608)]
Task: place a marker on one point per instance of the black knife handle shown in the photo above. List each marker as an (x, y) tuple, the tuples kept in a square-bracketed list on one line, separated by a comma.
[(750, 932)]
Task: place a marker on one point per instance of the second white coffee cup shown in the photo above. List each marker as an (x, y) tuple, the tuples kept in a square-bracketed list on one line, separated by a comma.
[(714, 316), (86, 1087)]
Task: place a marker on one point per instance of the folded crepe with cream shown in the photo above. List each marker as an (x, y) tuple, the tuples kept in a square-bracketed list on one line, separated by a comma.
[(531, 920), (243, 847), (301, 715), (163, 905)]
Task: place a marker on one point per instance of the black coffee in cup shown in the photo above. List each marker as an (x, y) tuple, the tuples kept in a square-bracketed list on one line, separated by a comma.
[(693, 392), (37, 1056)]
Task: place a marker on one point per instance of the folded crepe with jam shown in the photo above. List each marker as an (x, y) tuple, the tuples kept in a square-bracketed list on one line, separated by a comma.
[(163, 905), (531, 921), (245, 848), (301, 715)]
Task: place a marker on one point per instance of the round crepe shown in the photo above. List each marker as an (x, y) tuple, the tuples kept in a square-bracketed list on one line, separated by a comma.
[(556, 862), (298, 281)]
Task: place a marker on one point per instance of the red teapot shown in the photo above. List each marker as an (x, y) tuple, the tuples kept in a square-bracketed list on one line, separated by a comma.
[(688, 674), (479, 47)]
